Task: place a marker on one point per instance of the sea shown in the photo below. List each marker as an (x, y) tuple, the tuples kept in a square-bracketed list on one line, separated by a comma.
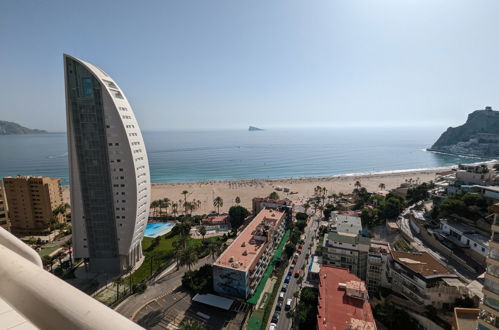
[(182, 156)]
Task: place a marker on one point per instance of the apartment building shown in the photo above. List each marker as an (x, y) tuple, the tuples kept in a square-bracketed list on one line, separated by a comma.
[(424, 280), (348, 251), (378, 259), (239, 269), (489, 308), (474, 174), (259, 204), (4, 214), (31, 201), (466, 237), (343, 301)]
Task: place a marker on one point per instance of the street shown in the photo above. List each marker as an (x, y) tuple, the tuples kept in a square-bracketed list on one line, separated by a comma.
[(293, 286)]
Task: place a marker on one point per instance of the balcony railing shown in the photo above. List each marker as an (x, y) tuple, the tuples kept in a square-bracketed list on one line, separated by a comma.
[(43, 299)]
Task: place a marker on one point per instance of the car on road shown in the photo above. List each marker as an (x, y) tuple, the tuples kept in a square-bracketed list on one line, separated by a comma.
[(281, 296), (275, 317), (278, 307), (286, 280), (284, 287), (297, 272), (288, 304), (272, 326), (299, 250)]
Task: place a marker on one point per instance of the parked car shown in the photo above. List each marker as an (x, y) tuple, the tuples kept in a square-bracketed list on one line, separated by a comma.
[(275, 317), (278, 307), (281, 296), (272, 326), (297, 272), (288, 304), (284, 287), (286, 280)]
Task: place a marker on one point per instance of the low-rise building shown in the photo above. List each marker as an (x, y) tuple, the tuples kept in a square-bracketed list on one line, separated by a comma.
[(347, 251), (216, 222), (32, 201), (465, 236), (4, 214), (259, 204), (474, 174), (239, 269), (422, 279), (377, 265), (344, 223), (343, 301)]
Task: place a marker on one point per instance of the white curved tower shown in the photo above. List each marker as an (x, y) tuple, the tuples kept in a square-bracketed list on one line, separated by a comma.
[(109, 170)]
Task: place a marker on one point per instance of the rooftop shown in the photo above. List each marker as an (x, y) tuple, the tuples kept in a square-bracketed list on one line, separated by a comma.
[(421, 263), (215, 220), (246, 248), (348, 238), (349, 224), (466, 318), (337, 309)]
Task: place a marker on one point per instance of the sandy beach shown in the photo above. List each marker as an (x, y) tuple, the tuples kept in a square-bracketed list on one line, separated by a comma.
[(248, 189)]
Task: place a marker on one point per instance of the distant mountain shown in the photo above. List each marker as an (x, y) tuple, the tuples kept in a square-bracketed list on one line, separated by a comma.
[(253, 128), (479, 136), (7, 128)]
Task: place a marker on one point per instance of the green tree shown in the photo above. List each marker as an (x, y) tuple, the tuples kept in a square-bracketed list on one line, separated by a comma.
[(274, 195), (189, 256), (214, 249), (237, 214), (118, 281), (48, 261), (381, 186), (202, 231), (218, 202), (191, 325), (238, 200), (185, 193)]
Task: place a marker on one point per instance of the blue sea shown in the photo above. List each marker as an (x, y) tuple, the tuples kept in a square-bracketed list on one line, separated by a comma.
[(179, 156)]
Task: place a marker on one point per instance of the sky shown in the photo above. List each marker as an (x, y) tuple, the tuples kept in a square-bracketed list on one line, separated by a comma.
[(226, 64)]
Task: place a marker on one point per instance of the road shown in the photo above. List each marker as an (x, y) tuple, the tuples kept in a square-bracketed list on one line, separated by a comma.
[(293, 286), (158, 287)]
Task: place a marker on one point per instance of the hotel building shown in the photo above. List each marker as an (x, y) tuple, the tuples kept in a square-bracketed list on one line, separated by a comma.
[(489, 308), (31, 202), (4, 214), (343, 301), (109, 170), (240, 267)]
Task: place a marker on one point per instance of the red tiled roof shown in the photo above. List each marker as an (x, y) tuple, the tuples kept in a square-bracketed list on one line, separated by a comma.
[(421, 262), (215, 220), (337, 310)]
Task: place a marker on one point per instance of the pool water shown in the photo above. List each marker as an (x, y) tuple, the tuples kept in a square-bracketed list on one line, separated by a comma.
[(158, 228)]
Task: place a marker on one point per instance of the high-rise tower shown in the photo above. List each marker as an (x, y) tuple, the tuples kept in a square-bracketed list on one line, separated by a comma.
[(109, 170)]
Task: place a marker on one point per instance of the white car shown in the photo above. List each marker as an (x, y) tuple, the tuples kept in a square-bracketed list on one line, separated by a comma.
[(288, 304), (273, 326)]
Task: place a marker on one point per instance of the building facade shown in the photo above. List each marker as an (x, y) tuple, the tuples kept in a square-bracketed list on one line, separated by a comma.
[(378, 259), (465, 236), (239, 269), (109, 170), (347, 251), (343, 301), (4, 214), (31, 202), (489, 308)]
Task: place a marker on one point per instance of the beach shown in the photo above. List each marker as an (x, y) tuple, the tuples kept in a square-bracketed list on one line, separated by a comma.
[(246, 190)]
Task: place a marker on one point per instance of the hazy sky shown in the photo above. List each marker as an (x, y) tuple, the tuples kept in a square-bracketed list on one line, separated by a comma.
[(210, 64)]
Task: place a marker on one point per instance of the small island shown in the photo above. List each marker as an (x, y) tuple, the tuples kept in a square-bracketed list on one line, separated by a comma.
[(253, 128), (10, 128)]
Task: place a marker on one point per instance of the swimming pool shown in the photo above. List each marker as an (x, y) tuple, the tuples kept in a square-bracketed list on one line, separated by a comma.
[(158, 228)]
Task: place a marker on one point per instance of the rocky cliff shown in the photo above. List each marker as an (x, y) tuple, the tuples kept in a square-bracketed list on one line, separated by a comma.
[(479, 136), (7, 127)]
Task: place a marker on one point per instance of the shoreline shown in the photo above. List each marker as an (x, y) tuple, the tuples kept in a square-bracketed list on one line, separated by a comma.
[(246, 190)]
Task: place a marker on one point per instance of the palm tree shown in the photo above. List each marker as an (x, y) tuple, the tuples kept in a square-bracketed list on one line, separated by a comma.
[(381, 186), (154, 205), (357, 184), (189, 256), (218, 203), (48, 261), (166, 203), (238, 200), (118, 281), (185, 193), (214, 249), (202, 231), (177, 251), (306, 206), (68, 244), (175, 209), (191, 325)]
